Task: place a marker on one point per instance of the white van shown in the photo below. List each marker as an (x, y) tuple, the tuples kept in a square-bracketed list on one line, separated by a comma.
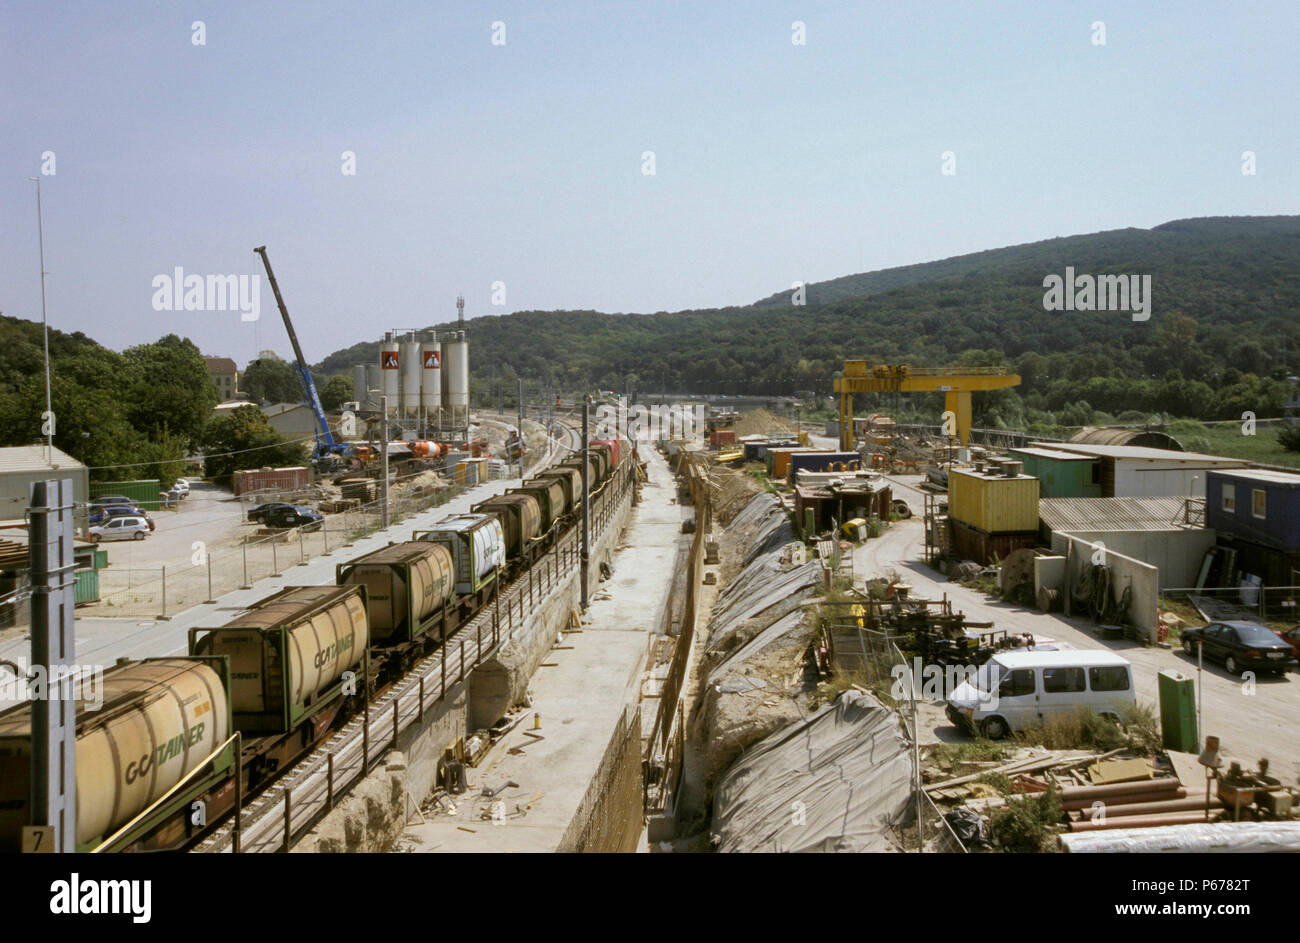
[(1014, 690)]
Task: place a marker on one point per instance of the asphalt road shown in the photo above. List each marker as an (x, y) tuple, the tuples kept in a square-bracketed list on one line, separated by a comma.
[(1252, 721)]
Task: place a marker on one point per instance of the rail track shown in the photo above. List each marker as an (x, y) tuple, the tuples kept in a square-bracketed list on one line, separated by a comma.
[(306, 792)]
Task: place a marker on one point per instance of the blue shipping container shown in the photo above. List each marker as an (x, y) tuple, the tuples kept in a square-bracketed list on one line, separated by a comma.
[(1255, 504)]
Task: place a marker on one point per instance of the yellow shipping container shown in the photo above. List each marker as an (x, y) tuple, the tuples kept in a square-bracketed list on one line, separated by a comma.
[(781, 460), (993, 502)]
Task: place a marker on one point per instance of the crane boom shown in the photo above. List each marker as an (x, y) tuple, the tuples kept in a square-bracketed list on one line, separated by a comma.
[(325, 444)]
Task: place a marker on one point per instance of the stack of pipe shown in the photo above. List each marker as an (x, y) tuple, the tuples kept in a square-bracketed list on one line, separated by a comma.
[(1163, 801)]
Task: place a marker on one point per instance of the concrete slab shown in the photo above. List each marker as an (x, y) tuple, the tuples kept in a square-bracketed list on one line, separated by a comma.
[(579, 693)]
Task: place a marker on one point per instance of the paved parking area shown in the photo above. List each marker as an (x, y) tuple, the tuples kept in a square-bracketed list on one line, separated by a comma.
[(1252, 720)]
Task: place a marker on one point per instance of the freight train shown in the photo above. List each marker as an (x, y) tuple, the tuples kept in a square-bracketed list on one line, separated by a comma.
[(157, 764)]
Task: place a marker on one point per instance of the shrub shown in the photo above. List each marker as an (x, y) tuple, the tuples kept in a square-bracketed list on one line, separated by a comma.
[(1024, 825)]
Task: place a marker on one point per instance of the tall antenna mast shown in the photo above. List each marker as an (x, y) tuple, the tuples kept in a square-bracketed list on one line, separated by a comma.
[(460, 312), (45, 327)]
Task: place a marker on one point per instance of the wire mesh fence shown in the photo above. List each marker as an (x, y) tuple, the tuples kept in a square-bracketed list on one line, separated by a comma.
[(162, 590)]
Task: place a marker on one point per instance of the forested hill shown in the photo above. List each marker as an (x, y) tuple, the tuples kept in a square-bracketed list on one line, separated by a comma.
[(1225, 292), (1169, 249)]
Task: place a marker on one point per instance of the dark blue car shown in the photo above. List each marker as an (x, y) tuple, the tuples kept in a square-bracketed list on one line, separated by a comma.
[(1241, 646)]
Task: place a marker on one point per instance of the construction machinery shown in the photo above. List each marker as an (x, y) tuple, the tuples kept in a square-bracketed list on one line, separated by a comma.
[(956, 383), (328, 454)]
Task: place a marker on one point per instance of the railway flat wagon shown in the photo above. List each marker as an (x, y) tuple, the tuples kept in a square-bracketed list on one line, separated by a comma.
[(289, 654), (160, 740)]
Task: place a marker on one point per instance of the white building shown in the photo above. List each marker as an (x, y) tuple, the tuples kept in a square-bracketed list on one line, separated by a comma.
[(1135, 471)]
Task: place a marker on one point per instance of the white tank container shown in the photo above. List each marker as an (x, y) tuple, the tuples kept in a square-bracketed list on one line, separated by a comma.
[(166, 717)]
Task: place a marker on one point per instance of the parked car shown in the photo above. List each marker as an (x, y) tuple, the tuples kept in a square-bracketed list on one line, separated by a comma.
[(1241, 646), (100, 515), (181, 487), (105, 500), (1293, 637), (259, 514), (1014, 690), (293, 515), (120, 528)]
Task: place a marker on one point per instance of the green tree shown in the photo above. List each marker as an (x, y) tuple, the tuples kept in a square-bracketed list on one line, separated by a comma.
[(244, 439), (336, 391), (271, 381), (167, 389)]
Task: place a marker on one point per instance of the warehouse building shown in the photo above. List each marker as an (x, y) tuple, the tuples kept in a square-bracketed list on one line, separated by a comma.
[(1135, 471), (21, 465), (1158, 531)]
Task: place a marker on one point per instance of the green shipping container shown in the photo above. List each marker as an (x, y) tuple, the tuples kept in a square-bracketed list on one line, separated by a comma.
[(86, 588), (144, 492), (1178, 711)]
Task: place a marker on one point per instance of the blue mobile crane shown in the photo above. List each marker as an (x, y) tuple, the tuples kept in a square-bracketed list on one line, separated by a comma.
[(328, 453)]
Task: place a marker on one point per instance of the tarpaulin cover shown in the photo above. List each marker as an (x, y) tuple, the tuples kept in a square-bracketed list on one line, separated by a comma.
[(1203, 837), (830, 783)]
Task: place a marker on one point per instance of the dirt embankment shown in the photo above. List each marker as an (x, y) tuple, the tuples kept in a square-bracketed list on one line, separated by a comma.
[(751, 676)]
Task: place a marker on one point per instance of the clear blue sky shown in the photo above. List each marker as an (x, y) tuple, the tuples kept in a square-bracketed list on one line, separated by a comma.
[(522, 163)]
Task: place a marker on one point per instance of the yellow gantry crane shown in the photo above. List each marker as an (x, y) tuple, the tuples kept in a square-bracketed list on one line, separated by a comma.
[(956, 383)]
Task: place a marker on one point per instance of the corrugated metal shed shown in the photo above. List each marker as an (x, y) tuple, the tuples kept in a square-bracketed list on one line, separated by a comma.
[(1101, 514), (1110, 435), (1142, 452)]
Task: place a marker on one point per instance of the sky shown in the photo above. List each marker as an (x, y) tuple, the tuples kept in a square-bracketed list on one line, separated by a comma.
[(505, 144)]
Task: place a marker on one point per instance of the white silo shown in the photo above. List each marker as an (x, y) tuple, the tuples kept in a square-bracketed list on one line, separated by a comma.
[(374, 384), (410, 379), (457, 364), (431, 383), (389, 366), (359, 385)]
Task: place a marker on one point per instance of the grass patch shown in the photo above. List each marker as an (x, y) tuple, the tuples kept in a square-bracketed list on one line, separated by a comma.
[(954, 754), (1085, 729), (987, 584), (839, 682), (1226, 439)]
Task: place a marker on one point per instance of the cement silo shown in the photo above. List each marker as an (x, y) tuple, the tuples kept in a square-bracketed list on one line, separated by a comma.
[(389, 365), (359, 385), (456, 368), (410, 379), (431, 383), (374, 384)]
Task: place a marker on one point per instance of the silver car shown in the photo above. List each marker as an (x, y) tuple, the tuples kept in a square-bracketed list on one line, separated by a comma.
[(120, 528)]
